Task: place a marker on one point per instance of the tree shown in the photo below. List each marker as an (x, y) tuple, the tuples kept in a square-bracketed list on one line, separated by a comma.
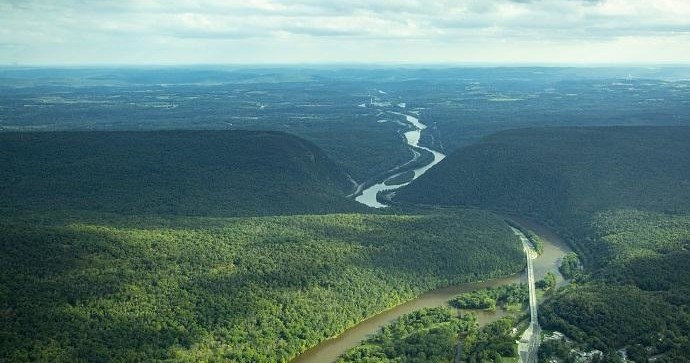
[(548, 282)]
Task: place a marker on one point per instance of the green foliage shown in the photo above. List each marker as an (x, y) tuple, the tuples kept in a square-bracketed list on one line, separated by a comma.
[(570, 265), (490, 343), (548, 282), (474, 300), (490, 297), (609, 316), (564, 175), (322, 104), (217, 173), (536, 241), (644, 248), (317, 107), (436, 335), (549, 349), (263, 289), (620, 196), (639, 295), (427, 335)]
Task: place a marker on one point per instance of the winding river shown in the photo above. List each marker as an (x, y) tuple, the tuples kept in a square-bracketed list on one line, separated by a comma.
[(554, 249), (329, 350), (368, 196)]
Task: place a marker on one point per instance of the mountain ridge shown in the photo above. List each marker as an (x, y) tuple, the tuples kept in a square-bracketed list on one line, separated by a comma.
[(221, 173)]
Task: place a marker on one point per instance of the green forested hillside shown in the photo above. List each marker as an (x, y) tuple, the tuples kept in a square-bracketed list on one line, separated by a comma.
[(621, 196), (640, 296), (103, 288), (218, 173), (564, 173)]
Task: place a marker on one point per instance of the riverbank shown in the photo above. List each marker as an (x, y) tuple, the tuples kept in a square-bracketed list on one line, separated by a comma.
[(329, 350), (368, 196)]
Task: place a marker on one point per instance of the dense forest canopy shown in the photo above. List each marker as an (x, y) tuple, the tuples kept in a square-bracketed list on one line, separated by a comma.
[(216, 173), (564, 174), (346, 111), (103, 259), (438, 335), (621, 196), (252, 289), (138, 243)]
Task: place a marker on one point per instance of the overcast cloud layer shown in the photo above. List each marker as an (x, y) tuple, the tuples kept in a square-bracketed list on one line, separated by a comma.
[(349, 31)]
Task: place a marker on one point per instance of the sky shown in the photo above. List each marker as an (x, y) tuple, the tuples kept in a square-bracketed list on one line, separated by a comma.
[(257, 32)]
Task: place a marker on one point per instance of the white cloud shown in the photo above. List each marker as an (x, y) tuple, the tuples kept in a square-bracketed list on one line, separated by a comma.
[(272, 31)]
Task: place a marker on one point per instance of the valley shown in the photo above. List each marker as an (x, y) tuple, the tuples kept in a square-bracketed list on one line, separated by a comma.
[(314, 215), (369, 196), (330, 350), (322, 181), (618, 196)]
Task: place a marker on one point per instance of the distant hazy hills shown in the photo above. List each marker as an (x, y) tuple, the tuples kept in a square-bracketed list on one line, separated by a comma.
[(564, 173), (172, 172)]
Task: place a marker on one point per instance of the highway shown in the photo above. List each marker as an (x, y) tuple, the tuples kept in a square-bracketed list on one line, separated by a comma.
[(329, 350), (529, 343)]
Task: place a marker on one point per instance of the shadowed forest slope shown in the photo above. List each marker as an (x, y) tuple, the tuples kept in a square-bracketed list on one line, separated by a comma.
[(220, 173)]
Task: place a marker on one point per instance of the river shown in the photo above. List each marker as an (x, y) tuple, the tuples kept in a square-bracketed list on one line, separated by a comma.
[(330, 350), (368, 196)]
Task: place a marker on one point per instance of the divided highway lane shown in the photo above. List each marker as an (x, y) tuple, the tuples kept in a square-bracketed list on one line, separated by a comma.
[(529, 343)]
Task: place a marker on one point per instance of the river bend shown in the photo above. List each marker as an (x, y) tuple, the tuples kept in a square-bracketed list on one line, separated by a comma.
[(329, 350), (368, 196)]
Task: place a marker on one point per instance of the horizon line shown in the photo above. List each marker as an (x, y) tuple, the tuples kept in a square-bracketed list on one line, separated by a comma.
[(353, 64)]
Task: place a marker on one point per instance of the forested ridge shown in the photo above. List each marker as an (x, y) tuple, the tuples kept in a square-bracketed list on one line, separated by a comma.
[(564, 174), (621, 197), (102, 287), (213, 173), (640, 298), (192, 246), (121, 247)]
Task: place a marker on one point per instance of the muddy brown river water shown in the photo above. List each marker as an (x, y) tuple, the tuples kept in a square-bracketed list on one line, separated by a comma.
[(329, 350)]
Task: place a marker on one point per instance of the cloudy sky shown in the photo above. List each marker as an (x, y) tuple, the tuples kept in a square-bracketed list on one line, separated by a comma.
[(54, 32)]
